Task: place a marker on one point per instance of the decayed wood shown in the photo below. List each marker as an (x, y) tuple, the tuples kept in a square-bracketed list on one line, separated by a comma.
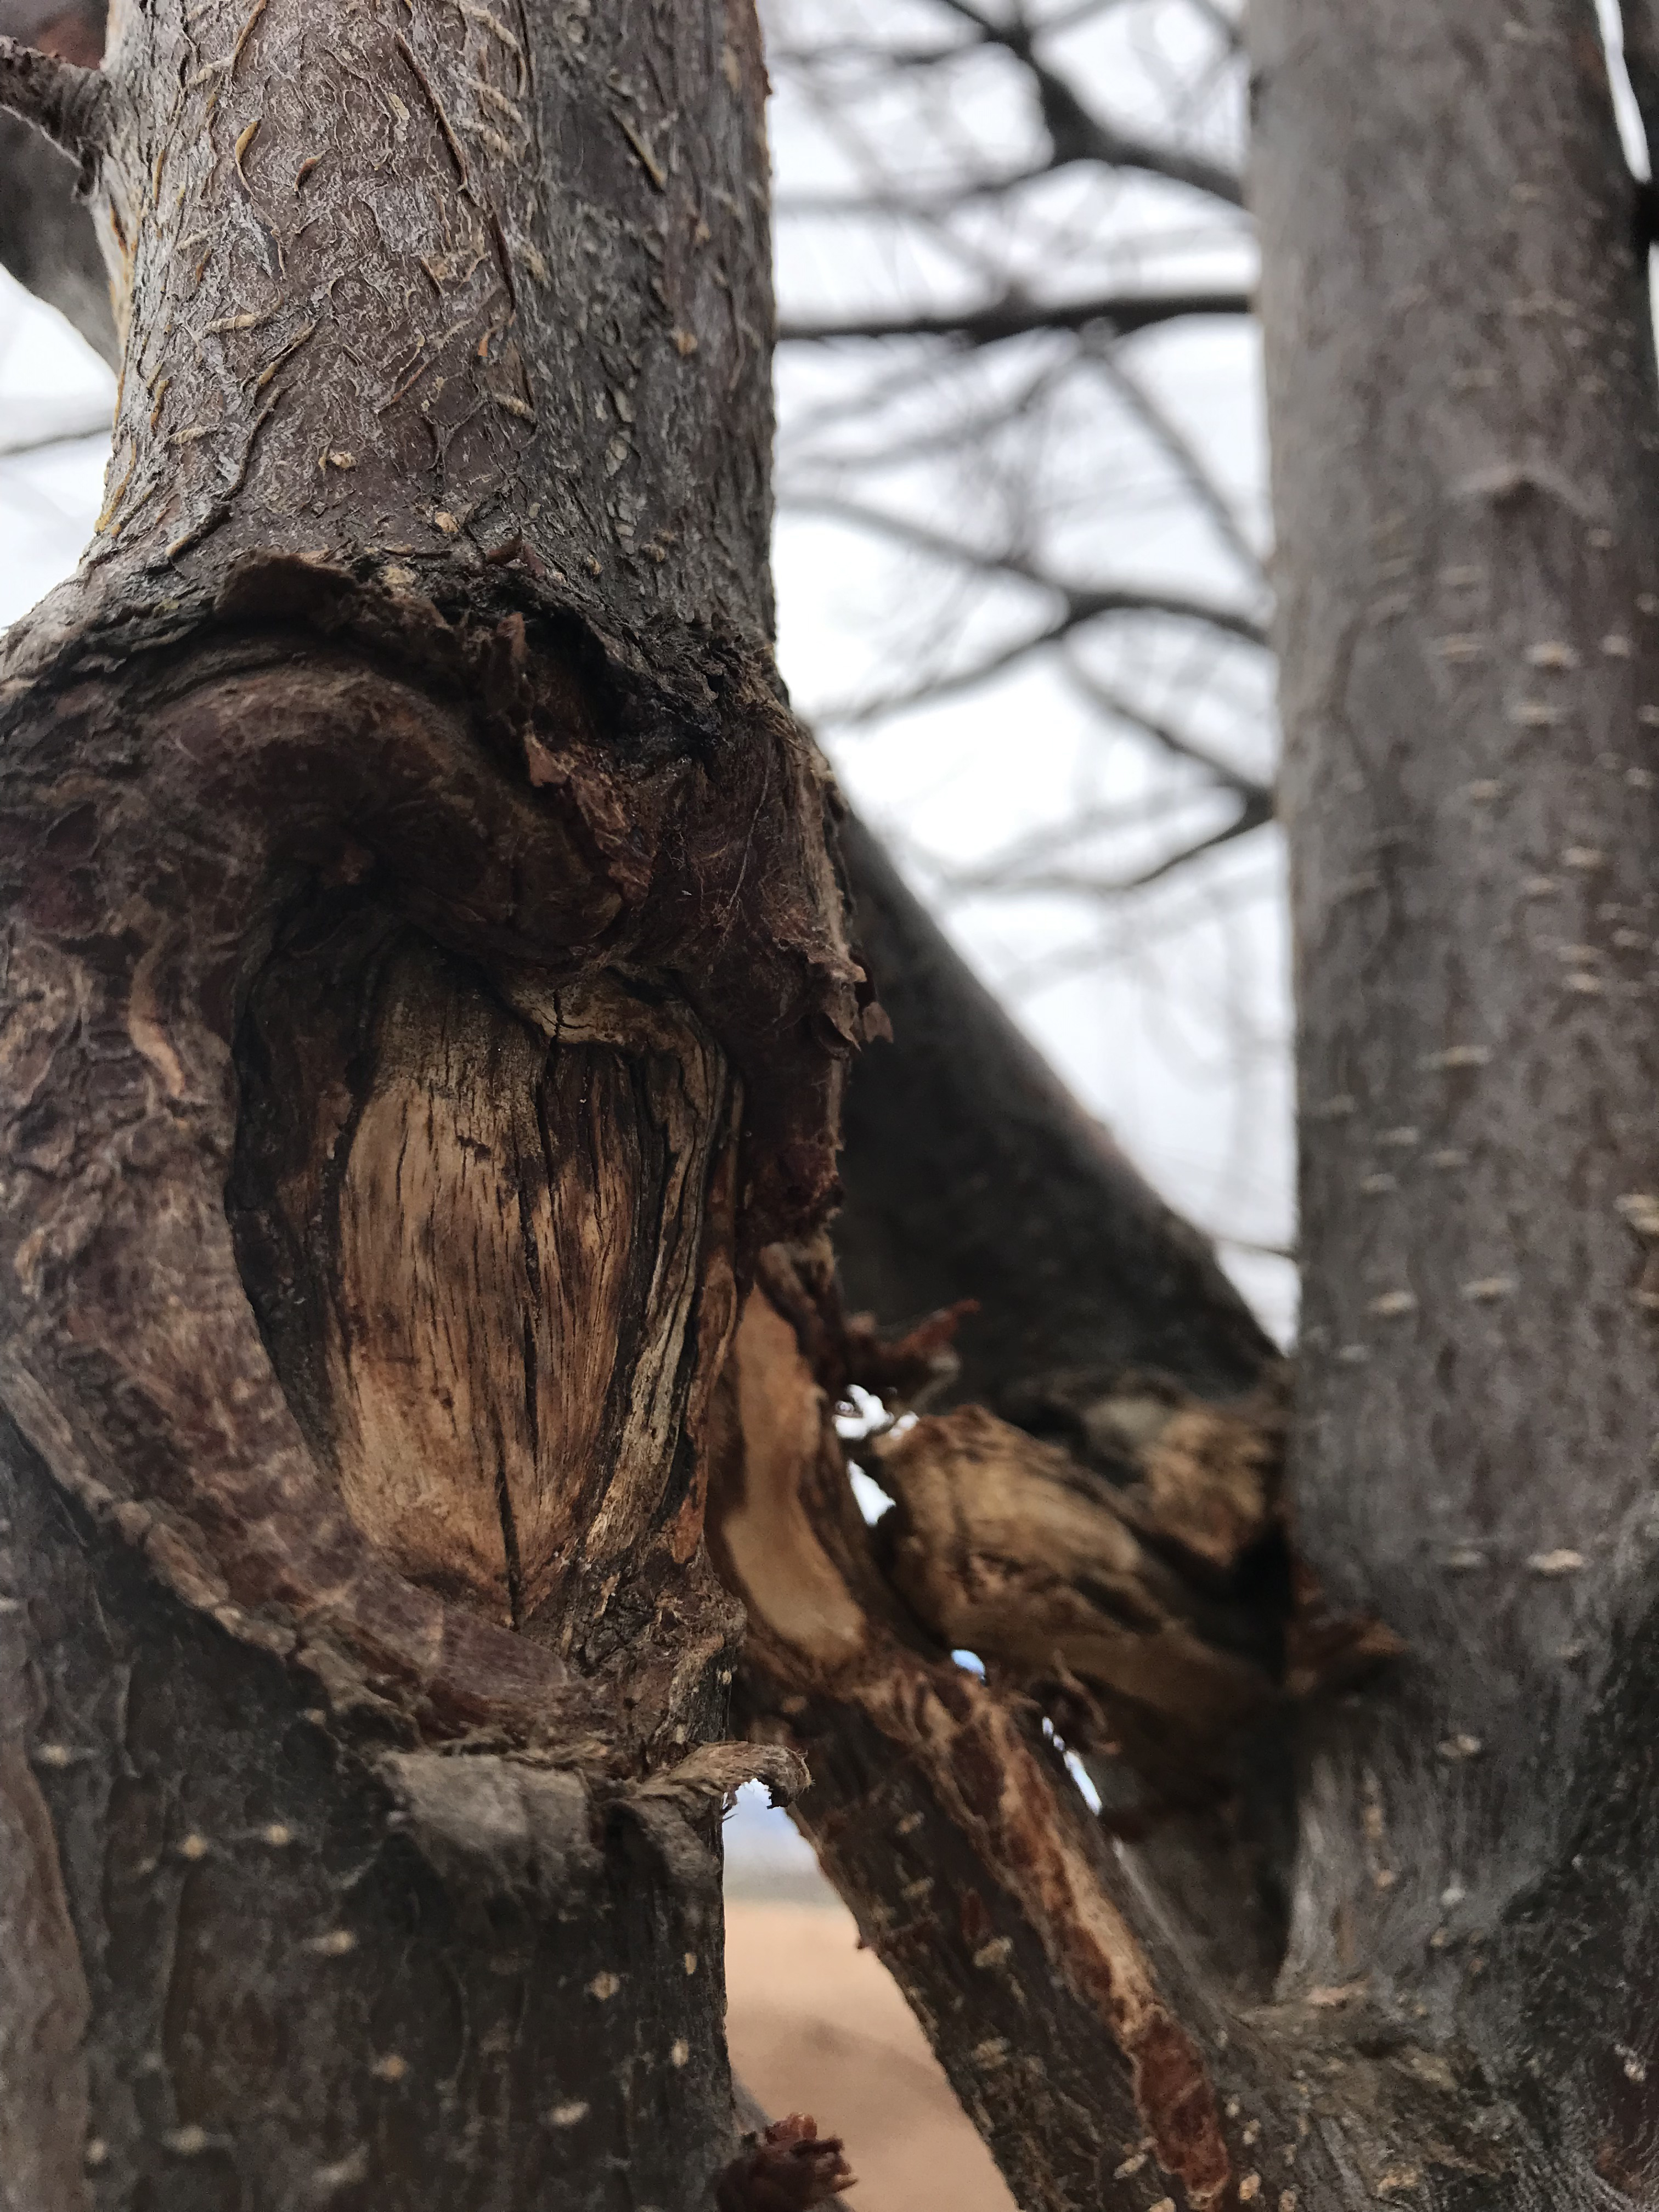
[(1007, 1859), (500, 1250), (1006, 1547)]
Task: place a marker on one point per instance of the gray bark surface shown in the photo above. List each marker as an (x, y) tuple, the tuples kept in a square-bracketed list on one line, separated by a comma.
[(1462, 396)]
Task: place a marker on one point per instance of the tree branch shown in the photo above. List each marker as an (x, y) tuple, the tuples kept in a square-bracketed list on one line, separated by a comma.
[(1044, 881), (971, 1172), (1179, 449), (1083, 602), (1176, 742), (47, 241), (1078, 135), (40, 437), (69, 105), (1015, 317)]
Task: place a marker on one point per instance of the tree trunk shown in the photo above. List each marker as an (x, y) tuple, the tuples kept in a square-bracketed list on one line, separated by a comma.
[(425, 991), (1461, 382)]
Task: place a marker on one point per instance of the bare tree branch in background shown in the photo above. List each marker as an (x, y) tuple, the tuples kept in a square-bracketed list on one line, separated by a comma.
[(1017, 400), (46, 239), (39, 432), (1016, 317)]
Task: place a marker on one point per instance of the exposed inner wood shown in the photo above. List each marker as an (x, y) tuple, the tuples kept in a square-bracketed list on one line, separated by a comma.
[(1156, 1590), (492, 1225), (768, 1431), (1006, 1547)]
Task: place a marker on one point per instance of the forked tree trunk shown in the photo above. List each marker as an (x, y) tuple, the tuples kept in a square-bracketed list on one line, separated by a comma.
[(426, 1002)]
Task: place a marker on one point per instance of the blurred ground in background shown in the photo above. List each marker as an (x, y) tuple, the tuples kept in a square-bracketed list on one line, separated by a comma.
[(816, 2025)]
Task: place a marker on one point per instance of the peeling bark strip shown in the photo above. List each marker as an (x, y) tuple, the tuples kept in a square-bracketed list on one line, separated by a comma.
[(424, 991)]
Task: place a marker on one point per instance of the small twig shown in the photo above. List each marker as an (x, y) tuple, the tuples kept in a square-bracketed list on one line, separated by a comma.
[(1078, 135), (70, 105), (1014, 317), (1083, 602), (1082, 883), (89, 422), (1180, 450)]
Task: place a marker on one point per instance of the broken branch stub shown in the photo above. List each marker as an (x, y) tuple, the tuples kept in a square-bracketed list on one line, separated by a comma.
[(1152, 1611), (1007, 1548), (1007, 1862), (67, 104), (1161, 1590)]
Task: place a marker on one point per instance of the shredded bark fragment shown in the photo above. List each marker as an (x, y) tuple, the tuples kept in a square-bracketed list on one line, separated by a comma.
[(791, 2168)]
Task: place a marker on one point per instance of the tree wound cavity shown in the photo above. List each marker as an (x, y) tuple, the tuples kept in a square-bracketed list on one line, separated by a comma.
[(486, 1226)]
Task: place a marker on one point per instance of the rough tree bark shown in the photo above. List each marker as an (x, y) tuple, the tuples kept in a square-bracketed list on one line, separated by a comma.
[(1461, 379), (427, 1002), (425, 989)]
